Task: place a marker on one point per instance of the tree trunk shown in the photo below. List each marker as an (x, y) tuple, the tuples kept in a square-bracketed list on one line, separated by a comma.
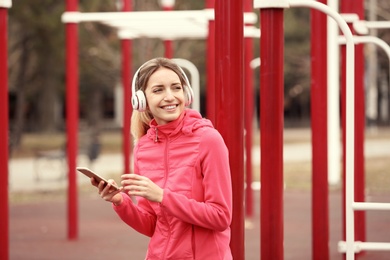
[(48, 100), (20, 109)]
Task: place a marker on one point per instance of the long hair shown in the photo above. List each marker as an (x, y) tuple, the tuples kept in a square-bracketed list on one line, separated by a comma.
[(140, 120)]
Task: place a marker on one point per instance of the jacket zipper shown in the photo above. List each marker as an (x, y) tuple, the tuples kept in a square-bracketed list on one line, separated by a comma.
[(156, 137), (165, 182)]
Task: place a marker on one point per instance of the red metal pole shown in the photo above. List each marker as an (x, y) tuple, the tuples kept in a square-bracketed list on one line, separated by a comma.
[(249, 106), (229, 106), (271, 134), (320, 207), (357, 7), (72, 118), (4, 207), (210, 66), (168, 49), (127, 108)]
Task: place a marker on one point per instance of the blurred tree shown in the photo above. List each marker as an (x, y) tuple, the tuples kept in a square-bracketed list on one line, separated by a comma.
[(297, 65), (37, 48), (36, 67), (37, 73)]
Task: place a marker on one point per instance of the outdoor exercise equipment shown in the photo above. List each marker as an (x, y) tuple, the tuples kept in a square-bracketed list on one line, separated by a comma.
[(271, 134), (359, 245), (346, 10)]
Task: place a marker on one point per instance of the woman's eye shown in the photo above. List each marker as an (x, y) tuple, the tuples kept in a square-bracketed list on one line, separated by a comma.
[(157, 90)]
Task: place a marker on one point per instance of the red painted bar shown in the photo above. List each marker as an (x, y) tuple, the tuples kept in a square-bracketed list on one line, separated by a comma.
[(319, 125), (127, 108), (357, 7), (271, 134), (72, 119), (210, 67), (168, 49), (229, 106), (249, 106), (4, 207)]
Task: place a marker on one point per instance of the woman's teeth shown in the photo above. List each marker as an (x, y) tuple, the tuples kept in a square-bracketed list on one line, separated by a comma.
[(170, 107)]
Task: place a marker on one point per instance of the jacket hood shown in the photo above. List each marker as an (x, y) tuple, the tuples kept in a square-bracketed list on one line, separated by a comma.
[(188, 122)]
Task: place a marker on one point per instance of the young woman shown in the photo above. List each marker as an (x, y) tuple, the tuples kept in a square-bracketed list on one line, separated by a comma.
[(181, 182)]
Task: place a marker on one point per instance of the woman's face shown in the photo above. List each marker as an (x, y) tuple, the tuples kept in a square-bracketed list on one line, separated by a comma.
[(165, 96)]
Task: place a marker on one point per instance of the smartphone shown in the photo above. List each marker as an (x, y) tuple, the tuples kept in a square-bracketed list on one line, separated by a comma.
[(89, 173)]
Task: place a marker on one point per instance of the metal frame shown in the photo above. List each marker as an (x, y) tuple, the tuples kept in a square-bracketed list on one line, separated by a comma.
[(159, 24), (359, 246), (350, 99)]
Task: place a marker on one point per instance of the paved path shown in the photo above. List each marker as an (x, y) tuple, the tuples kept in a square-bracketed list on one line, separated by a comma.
[(38, 230)]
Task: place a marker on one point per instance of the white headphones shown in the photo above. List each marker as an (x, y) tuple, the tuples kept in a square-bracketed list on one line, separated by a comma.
[(138, 98)]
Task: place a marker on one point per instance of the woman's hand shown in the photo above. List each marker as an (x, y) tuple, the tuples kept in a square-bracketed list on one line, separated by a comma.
[(137, 185), (107, 193)]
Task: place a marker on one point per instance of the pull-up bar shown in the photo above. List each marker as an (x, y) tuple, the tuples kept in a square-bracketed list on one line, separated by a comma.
[(370, 39)]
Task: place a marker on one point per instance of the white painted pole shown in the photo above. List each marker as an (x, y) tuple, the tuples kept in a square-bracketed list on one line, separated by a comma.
[(372, 71), (370, 39), (334, 143), (195, 81)]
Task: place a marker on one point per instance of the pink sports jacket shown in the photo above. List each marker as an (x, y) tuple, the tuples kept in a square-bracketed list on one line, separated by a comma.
[(189, 160)]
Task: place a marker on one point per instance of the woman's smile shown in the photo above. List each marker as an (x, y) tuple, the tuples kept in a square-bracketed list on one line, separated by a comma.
[(169, 107), (165, 96)]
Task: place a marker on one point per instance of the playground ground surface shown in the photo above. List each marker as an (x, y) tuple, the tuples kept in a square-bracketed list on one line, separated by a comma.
[(39, 228)]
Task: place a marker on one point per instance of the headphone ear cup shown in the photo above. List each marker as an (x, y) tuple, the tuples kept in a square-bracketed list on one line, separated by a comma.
[(134, 102), (139, 101), (190, 95)]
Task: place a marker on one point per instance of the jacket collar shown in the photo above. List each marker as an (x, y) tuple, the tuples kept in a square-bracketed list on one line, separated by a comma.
[(158, 132)]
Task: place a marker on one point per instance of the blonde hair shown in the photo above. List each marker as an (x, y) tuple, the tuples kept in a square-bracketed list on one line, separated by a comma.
[(140, 120)]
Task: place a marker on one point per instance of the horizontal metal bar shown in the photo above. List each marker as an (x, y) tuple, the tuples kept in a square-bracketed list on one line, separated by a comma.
[(370, 206), (194, 15), (364, 246)]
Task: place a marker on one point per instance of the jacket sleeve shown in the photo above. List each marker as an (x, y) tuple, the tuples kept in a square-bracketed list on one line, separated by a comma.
[(139, 216), (215, 212)]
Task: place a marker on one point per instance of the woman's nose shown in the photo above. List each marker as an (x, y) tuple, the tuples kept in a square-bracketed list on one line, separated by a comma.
[(168, 95)]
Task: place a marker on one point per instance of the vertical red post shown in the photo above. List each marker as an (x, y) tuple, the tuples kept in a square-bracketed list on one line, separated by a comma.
[(127, 108), (4, 207), (271, 134), (249, 106), (320, 207), (210, 66), (168, 49), (357, 7), (229, 105), (72, 118)]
